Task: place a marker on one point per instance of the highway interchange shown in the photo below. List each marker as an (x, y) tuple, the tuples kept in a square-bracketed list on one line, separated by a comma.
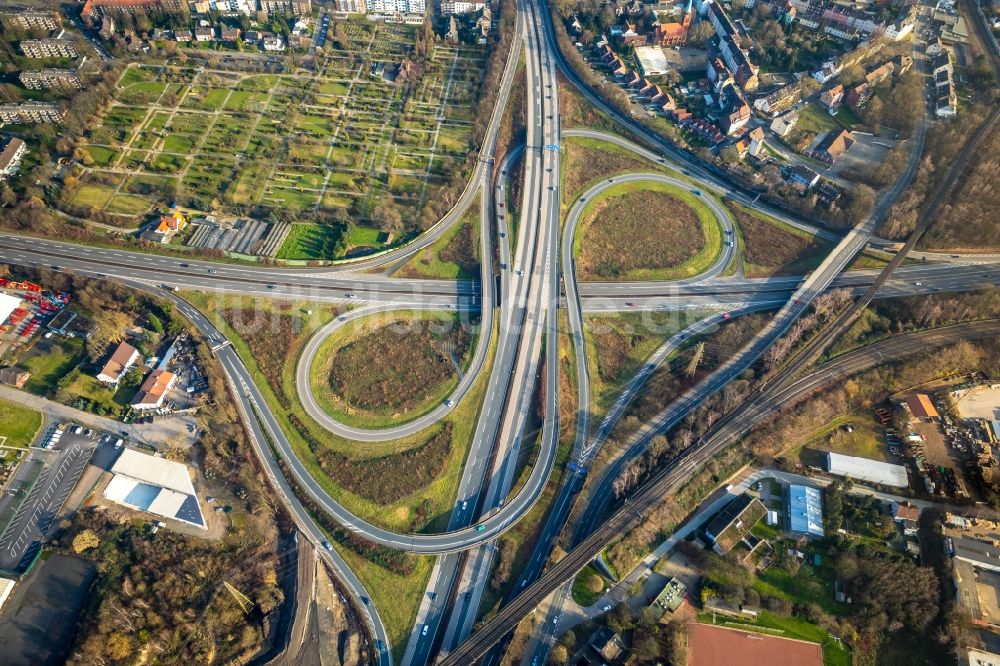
[(519, 323)]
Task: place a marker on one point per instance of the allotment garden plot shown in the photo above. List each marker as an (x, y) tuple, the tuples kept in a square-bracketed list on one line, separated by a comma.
[(371, 123)]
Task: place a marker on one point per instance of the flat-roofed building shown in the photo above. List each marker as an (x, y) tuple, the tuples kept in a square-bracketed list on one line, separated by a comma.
[(49, 48), (805, 510), (26, 19), (93, 9), (865, 469), (31, 112), (295, 7), (50, 78), (733, 523)]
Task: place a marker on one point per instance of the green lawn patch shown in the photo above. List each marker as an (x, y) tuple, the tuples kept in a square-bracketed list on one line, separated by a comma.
[(128, 204), (19, 424), (50, 363), (101, 155), (311, 241), (92, 196), (588, 586)]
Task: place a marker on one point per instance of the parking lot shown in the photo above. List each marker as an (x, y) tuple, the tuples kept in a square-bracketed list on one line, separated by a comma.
[(37, 493)]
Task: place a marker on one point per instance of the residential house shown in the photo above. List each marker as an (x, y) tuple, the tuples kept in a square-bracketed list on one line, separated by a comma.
[(941, 62), (154, 390), (294, 7), (705, 130), (721, 22), (946, 104), (780, 100), (607, 644), (630, 37), (230, 35), (744, 71), (10, 156), (827, 194), (119, 363), (168, 226), (15, 377), (784, 124), (907, 516), (351, 6), (183, 36), (272, 42), (756, 136), (880, 74), (204, 34), (829, 146), (831, 98), (460, 6), (858, 96), (801, 175)]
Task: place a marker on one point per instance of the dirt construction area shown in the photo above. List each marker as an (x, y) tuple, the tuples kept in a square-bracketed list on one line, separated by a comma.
[(981, 402)]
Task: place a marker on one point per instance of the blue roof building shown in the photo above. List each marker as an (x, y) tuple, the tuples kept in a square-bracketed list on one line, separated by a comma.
[(805, 511)]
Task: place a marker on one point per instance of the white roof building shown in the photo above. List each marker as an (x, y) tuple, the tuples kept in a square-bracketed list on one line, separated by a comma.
[(8, 304), (865, 469), (155, 485)]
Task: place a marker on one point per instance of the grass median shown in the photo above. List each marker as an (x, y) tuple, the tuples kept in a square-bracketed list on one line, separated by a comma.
[(659, 232), (390, 368)]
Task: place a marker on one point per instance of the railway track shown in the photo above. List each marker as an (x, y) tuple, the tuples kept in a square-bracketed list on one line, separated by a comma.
[(778, 391), (676, 473)]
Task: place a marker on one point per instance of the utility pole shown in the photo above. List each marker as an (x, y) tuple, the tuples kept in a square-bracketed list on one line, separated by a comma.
[(242, 599), (699, 351)]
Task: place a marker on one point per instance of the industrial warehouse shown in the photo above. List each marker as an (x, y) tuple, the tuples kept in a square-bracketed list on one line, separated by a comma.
[(155, 485)]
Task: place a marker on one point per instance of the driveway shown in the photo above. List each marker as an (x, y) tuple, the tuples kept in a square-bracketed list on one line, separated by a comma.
[(159, 434)]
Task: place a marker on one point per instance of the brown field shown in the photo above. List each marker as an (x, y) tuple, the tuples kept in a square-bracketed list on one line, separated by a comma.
[(461, 251), (409, 471), (586, 161), (771, 250), (260, 328), (644, 230), (394, 368)]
